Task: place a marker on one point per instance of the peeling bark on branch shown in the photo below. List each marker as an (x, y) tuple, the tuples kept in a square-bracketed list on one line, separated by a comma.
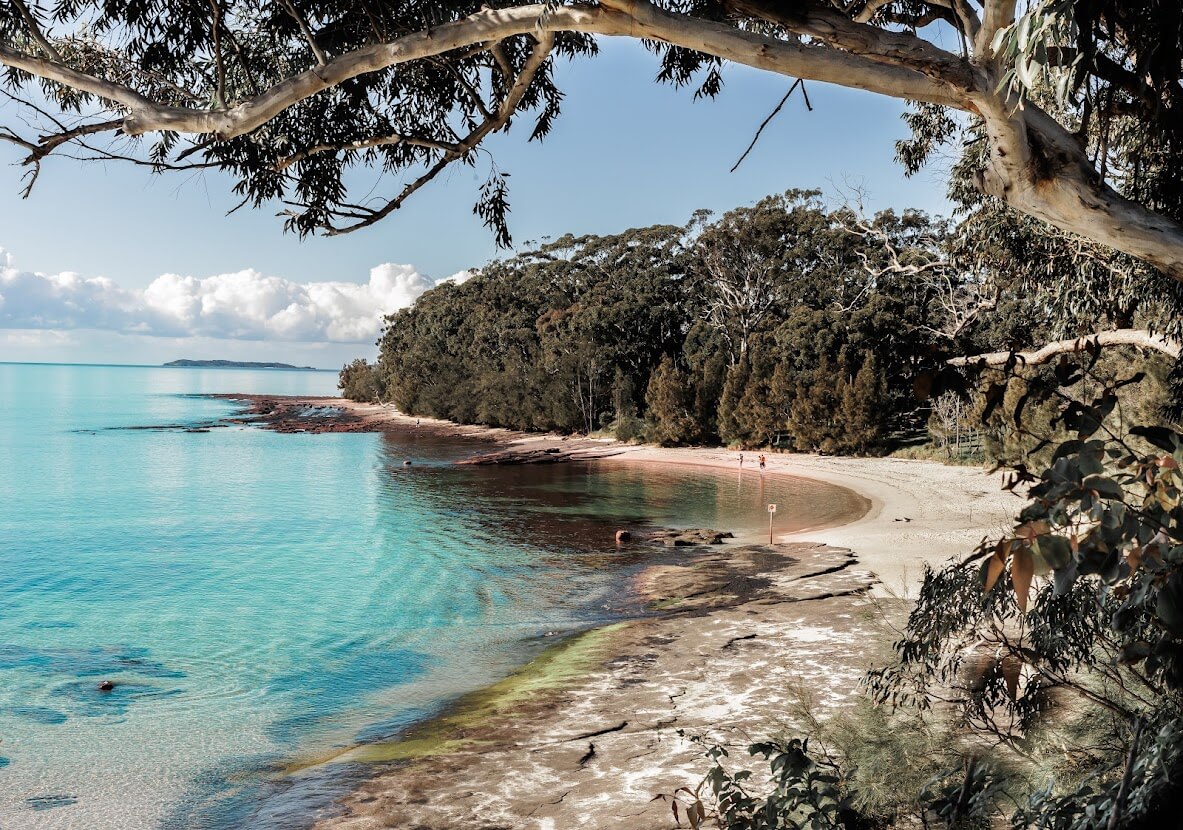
[(1120, 337), (787, 58)]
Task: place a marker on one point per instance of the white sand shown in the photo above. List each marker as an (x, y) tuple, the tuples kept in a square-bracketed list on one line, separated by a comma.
[(923, 512)]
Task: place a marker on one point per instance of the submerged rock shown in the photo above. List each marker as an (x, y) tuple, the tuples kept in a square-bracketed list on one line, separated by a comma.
[(690, 538), (50, 802)]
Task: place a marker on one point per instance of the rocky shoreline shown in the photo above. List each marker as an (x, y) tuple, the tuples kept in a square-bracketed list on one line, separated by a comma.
[(589, 733)]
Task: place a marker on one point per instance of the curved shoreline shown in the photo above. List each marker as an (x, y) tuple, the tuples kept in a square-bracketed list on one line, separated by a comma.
[(744, 634), (717, 661), (921, 512)]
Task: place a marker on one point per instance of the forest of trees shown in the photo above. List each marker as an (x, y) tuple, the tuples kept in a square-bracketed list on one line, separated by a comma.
[(785, 324)]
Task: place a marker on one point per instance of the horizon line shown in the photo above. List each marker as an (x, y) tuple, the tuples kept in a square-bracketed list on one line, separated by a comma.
[(163, 366)]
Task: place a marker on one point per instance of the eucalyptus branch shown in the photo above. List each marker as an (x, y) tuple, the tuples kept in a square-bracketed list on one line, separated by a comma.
[(35, 32), (772, 115), (220, 67), (1044, 354), (305, 30), (355, 146), (477, 99), (501, 117)]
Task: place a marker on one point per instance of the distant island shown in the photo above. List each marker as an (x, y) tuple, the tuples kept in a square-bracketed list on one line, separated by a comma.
[(235, 364)]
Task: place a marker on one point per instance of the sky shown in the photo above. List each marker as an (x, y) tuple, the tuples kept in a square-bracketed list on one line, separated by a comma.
[(112, 264)]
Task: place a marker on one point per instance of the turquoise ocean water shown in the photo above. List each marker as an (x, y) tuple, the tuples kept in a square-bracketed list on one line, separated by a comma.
[(260, 598)]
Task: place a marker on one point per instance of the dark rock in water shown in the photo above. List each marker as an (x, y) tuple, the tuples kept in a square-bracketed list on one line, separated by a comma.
[(49, 802), (690, 538), (580, 451), (107, 686), (623, 536), (407, 463)]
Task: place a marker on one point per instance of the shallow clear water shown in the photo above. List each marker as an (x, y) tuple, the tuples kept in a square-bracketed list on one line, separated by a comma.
[(260, 598)]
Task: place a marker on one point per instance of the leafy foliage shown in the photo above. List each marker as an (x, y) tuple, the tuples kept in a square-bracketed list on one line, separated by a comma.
[(770, 325), (804, 793), (1082, 600), (359, 381)]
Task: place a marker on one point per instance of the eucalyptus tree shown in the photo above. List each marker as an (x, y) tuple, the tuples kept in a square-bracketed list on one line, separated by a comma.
[(563, 336), (289, 95)]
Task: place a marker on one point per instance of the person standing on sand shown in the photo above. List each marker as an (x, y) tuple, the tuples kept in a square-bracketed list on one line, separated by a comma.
[(741, 460), (761, 460)]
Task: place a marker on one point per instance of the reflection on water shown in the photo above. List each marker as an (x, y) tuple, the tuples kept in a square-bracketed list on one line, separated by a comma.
[(262, 599)]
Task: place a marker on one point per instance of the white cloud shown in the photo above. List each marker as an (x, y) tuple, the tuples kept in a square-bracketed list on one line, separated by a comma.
[(244, 305), (37, 338)]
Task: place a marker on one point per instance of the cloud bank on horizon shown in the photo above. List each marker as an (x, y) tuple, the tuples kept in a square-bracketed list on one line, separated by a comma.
[(244, 305)]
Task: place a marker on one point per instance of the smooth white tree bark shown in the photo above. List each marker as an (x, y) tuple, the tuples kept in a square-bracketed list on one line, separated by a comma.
[(1045, 354)]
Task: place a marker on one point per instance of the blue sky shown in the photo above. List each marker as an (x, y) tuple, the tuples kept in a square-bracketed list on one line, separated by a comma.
[(626, 152)]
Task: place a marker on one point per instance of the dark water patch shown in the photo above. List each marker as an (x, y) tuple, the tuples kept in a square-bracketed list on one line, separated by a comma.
[(205, 426), (4, 761), (41, 803), (254, 794), (35, 714), (87, 700), (48, 625), (390, 728), (320, 694), (85, 662)]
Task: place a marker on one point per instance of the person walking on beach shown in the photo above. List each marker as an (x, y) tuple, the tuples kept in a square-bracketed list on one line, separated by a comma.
[(741, 460), (760, 458)]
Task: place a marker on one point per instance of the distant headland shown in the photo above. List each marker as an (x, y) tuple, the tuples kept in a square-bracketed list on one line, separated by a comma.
[(234, 364)]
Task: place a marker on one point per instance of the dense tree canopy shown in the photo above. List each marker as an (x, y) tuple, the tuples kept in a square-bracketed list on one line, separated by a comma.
[(1076, 105), (786, 323)]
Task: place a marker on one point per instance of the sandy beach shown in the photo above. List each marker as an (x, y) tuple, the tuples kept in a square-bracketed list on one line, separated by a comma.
[(745, 633), (922, 511)]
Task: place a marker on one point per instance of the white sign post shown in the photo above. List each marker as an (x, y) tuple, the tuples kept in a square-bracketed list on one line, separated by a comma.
[(771, 515)]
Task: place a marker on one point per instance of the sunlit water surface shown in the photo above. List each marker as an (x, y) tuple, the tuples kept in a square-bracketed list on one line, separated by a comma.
[(261, 599)]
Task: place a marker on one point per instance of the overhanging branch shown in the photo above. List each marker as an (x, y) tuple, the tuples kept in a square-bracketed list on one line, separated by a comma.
[(1140, 338), (492, 25), (504, 112)]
